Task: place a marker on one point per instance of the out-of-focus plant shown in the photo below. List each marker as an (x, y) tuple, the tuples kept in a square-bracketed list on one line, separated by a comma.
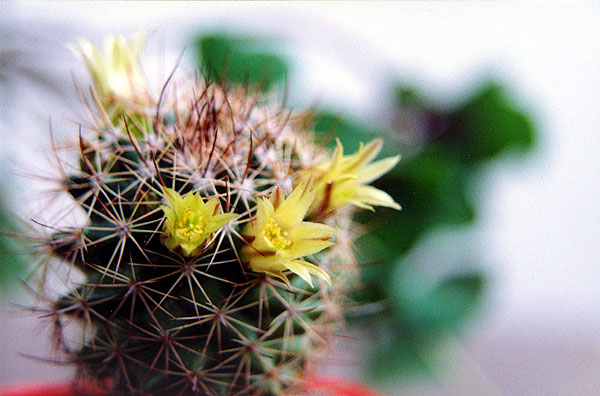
[(240, 59), (444, 150), (12, 259)]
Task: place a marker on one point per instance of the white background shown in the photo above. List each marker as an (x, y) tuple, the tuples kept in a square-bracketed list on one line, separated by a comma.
[(539, 333)]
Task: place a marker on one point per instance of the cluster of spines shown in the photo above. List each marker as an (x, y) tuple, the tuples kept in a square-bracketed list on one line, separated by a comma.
[(207, 213), (157, 322)]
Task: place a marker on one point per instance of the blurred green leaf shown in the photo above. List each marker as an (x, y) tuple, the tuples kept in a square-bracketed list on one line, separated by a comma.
[(420, 313), (491, 123), (433, 191), (433, 185), (455, 298), (11, 262), (240, 59), (488, 124), (439, 307), (439, 186), (403, 353), (12, 257), (407, 96), (351, 132), (376, 257)]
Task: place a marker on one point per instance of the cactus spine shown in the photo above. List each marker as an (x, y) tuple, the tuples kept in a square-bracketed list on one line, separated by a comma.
[(215, 250)]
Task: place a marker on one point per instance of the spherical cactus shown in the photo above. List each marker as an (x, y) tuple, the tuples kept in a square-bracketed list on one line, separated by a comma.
[(215, 252)]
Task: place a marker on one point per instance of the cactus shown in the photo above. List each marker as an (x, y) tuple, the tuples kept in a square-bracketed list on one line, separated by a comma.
[(215, 251)]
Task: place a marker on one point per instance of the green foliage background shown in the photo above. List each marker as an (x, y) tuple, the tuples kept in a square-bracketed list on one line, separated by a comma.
[(12, 257), (433, 183)]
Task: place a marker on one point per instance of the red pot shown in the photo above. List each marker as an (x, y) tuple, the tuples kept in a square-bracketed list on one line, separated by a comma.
[(336, 387), (67, 388), (31, 389), (325, 386)]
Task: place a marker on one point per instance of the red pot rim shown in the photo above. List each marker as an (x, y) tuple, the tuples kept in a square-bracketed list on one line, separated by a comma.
[(338, 386), (328, 385), (65, 388)]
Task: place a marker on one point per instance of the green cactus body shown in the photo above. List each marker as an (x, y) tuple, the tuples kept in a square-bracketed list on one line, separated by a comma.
[(199, 246)]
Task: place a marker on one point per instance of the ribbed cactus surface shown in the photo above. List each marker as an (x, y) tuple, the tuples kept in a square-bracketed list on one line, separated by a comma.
[(216, 246)]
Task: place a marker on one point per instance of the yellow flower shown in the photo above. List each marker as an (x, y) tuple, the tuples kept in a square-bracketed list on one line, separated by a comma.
[(278, 238), (116, 73), (343, 179), (190, 222)]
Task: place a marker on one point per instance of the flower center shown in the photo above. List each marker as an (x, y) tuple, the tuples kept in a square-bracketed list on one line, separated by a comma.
[(190, 226), (275, 235)]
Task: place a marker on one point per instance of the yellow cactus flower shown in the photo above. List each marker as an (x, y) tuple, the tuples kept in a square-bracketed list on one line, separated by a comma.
[(116, 74), (278, 238), (190, 222), (343, 179)]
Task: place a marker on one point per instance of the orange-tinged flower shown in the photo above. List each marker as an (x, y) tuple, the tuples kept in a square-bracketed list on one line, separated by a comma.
[(278, 238), (343, 180), (190, 222)]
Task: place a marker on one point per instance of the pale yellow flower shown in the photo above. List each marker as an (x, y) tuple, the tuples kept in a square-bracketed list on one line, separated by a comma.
[(190, 222), (116, 74), (278, 237), (343, 180)]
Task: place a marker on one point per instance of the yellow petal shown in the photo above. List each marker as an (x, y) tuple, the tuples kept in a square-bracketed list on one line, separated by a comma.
[(309, 268), (171, 196), (218, 221), (170, 216), (352, 163), (273, 272), (377, 169), (261, 262), (310, 230), (263, 213), (276, 197), (279, 275), (209, 208), (293, 209), (299, 269), (331, 169), (373, 196), (190, 199), (308, 246), (188, 248)]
